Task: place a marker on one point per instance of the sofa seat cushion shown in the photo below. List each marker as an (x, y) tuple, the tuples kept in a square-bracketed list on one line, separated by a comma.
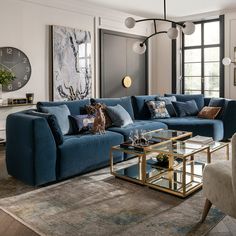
[(138, 124), (82, 153), (204, 127)]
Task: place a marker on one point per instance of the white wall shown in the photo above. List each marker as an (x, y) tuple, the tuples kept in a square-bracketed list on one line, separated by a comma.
[(161, 74), (25, 24), (230, 43)]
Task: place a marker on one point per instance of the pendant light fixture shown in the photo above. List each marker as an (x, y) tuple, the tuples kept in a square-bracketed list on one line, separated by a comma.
[(140, 47)]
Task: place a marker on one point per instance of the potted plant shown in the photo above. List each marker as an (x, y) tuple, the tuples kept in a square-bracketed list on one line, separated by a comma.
[(6, 77)]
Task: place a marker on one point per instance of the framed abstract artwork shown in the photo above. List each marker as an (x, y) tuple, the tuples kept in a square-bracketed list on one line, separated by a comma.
[(71, 64)]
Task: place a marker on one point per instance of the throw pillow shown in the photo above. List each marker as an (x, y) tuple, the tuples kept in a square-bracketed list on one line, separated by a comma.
[(90, 109), (169, 106), (188, 108), (62, 113), (209, 112), (119, 116), (157, 109), (218, 102), (53, 124), (82, 123)]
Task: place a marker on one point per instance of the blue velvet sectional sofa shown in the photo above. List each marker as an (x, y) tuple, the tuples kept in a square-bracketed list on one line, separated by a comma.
[(34, 157)]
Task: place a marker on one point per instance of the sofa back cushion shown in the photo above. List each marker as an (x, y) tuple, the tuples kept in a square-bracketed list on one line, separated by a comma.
[(141, 111), (76, 107), (62, 114), (199, 99), (125, 102)]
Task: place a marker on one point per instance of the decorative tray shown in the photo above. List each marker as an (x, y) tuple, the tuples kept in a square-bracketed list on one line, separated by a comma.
[(139, 147)]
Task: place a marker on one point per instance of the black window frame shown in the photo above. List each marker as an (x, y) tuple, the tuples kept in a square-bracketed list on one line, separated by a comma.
[(202, 47)]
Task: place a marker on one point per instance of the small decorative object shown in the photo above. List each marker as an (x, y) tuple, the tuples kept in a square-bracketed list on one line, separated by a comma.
[(127, 81), (12, 101), (17, 64), (72, 70), (140, 137), (30, 97), (99, 121), (5, 78), (162, 160)]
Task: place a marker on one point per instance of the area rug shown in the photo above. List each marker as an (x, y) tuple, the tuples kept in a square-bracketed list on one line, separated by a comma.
[(99, 204)]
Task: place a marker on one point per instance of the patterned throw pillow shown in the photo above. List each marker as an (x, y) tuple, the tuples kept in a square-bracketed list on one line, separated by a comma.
[(82, 123), (209, 112), (90, 109), (169, 106), (157, 109)]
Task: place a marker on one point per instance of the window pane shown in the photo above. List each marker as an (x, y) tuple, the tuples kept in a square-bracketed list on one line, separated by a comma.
[(195, 38), (212, 83), (192, 69), (192, 55), (212, 69), (192, 92), (212, 33), (215, 94), (192, 83), (212, 54)]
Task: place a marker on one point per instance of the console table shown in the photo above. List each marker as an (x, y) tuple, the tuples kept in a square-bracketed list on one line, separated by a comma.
[(7, 109)]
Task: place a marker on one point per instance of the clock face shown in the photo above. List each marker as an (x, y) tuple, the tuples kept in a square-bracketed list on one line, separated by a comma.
[(14, 60)]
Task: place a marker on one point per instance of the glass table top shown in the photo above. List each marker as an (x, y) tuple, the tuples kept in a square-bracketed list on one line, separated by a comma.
[(177, 148), (169, 134)]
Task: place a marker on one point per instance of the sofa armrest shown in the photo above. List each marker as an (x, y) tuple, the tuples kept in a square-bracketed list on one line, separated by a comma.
[(229, 118), (30, 149)]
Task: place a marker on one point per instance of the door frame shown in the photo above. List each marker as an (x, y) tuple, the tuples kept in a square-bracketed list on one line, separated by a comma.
[(102, 32)]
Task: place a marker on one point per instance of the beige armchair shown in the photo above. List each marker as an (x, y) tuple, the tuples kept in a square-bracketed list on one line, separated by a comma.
[(219, 185)]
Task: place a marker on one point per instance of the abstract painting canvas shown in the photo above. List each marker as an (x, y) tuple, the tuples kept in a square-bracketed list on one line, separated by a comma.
[(72, 72)]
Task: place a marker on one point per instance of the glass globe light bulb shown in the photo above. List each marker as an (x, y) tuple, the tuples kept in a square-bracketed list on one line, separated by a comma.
[(130, 22), (188, 28), (226, 61), (139, 47), (172, 33)]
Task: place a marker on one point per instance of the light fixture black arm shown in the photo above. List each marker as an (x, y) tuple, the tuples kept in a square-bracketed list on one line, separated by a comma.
[(160, 32), (157, 19)]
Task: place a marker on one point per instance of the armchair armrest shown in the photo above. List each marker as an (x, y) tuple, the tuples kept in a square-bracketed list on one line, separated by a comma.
[(30, 149), (229, 118)]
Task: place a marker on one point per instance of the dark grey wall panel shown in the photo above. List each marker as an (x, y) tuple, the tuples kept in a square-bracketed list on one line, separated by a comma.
[(117, 61)]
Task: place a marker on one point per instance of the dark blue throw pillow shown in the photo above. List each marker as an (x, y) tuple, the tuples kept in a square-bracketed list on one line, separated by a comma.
[(53, 124), (188, 108), (218, 102)]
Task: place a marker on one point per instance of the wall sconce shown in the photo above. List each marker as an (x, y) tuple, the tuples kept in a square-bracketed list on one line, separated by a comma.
[(227, 61), (127, 81)]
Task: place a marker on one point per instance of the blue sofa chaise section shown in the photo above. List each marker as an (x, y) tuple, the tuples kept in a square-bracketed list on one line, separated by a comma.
[(34, 157)]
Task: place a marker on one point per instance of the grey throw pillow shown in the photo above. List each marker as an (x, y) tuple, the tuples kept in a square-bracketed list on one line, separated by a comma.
[(62, 113), (119, 116)]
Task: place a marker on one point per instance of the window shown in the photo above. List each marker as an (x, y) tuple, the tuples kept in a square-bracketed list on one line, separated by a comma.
[(202, 54)]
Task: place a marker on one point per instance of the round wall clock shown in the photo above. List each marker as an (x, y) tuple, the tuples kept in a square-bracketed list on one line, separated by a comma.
[(14, 60)]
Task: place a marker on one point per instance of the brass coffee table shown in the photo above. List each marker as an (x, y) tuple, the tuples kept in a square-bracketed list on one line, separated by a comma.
[(182, 177)]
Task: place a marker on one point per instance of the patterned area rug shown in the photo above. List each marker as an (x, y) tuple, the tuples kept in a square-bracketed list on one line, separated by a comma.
[(99, 204)]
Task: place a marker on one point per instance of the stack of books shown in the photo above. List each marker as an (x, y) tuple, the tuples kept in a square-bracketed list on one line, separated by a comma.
[(200, 140)]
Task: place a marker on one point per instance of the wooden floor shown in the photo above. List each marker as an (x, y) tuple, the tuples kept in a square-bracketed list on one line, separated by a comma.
[(11, 227)]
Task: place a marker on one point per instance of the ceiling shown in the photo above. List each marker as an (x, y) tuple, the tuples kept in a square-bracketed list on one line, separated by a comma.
[(175, 8)]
